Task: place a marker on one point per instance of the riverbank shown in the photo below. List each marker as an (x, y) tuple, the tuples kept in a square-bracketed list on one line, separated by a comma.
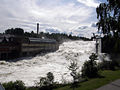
[(92, 84), (108, 76)]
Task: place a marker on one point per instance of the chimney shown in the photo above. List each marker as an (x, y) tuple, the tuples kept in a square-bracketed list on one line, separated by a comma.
[(37, 28)]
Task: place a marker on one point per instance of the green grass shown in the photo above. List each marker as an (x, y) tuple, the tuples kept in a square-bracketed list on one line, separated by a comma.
[(92, 84), (32, 88), (95, 83)]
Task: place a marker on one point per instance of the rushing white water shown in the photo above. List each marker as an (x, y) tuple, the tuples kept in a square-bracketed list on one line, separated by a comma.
[(29, 70)]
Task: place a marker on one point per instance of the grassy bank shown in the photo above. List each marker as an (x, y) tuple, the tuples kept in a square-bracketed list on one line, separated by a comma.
[(91, 84)]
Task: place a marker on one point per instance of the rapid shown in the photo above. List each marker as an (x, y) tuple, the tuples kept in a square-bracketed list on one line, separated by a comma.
[(30, 69)]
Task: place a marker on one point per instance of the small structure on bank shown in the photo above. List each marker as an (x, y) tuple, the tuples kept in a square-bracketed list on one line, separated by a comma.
[(98, 40), (1, 87), (98, 45)]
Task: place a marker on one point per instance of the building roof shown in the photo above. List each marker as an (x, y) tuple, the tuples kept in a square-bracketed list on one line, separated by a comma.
[(39, 40)]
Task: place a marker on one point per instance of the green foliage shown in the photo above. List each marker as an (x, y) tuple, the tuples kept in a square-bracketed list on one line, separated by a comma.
[(110, 44), (59, 37), (108, 15), (17, 85), (46, 83), (112, 64), (43, 81), (76, 76), (50, 78), (16, 31), (90, 69), (93, 57), (94, 83), (107, 65)]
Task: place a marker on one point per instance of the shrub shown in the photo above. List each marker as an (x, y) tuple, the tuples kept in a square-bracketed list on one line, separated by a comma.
[(76, 76), (108, 65), (17, 85), (90, 69), (50, 78), (46, 83)]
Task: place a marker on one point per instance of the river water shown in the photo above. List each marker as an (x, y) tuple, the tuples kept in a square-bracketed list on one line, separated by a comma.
[(29, 70)]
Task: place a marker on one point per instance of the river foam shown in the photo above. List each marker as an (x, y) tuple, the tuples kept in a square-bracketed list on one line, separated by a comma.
[(29, 70)]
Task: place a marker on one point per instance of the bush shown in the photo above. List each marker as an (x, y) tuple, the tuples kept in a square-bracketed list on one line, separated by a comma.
[(50, 78), (76, 76), (46, 83), (90, 69), (110, 44), (17, 85), (108, 65)]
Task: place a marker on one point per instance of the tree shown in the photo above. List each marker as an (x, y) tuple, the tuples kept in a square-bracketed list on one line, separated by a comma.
[(76, 76), (89, 68), (46, 83), (108, 15), (17, 85), (32, 32), (9, 31), (16, 31), (50, 78)]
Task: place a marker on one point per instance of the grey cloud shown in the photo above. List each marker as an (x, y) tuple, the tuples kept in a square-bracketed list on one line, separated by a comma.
[(26, 13)]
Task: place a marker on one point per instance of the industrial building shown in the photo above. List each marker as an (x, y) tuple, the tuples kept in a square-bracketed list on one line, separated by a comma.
[(16, 46), (12, 46)]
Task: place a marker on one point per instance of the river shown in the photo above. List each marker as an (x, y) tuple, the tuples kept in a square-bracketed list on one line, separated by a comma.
[(30, 69)]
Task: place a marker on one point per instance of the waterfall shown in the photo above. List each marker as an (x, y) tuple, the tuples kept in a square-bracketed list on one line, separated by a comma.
[(29, 70)]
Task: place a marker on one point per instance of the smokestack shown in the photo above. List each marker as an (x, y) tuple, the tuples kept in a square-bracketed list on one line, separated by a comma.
[(37, 28)]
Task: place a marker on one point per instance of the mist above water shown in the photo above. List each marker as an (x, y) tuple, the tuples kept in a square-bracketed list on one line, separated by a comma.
[(29, 70)]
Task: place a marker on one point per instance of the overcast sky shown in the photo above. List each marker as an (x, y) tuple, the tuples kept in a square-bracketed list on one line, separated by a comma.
[(64, 15)]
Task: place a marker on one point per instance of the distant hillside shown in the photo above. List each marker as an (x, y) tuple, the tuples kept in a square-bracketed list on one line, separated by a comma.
[(82, 31), (60, 37)]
